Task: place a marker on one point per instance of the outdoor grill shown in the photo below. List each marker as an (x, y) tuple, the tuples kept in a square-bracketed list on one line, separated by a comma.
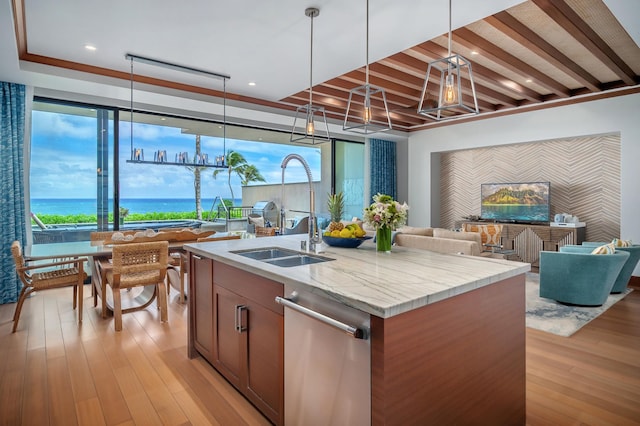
[(268, 211)]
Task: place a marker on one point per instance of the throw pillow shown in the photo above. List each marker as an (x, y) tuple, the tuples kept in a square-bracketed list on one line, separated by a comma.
[(257, 221), (605, 249), (621, 243)]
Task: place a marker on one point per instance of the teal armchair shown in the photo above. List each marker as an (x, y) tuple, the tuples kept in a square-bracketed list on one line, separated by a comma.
[(627, 270), (574, 276)]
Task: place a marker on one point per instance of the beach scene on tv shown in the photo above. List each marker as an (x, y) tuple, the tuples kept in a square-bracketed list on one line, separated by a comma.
[(515, 202)]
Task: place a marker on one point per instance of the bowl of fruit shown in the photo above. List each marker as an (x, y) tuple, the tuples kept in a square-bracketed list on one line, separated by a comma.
[(350, 236)]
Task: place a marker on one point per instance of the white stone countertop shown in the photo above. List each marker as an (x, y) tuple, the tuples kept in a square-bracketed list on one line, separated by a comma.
[(381, 284)]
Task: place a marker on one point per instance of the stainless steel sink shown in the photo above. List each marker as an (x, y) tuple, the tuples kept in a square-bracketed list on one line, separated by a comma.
[(283, 257), (301, 259), (266, 253)]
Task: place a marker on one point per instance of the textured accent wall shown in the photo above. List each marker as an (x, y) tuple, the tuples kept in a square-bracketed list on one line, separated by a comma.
[(584, 174)]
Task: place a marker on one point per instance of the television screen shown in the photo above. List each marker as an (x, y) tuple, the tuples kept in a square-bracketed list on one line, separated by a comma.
[(515, 202)]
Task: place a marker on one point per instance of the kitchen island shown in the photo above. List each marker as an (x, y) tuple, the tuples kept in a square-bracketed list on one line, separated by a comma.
[(447, 332)]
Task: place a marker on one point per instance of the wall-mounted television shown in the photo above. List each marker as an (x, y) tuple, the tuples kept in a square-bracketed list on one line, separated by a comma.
[(524, 202)]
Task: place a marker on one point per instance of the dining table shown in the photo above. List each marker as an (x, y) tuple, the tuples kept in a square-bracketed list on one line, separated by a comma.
[(99, 255)]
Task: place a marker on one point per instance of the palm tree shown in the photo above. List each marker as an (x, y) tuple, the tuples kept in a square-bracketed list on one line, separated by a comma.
[(250, 173), (235, 163)]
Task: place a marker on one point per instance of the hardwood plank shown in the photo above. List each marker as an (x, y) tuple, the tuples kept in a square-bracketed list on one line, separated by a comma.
[(35, 386), (592, 377), (90, 412), (62, 408)]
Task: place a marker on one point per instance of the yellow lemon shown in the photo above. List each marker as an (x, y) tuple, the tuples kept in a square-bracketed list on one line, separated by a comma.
[(345, 233), (335, 233)]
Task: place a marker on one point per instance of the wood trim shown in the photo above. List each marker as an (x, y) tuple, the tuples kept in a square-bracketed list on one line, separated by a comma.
[(634, 282), (458, 361)]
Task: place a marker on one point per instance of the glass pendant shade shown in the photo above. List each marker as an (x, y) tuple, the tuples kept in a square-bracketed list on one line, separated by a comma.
[(449, 77), (367, 109), (442, 94), (310, 123)]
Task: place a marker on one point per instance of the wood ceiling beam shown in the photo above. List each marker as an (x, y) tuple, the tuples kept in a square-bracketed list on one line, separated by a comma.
[(402, 90), (511, 27), (412, 66), (490, 51), (433, 50), (347, 85), (571, 22), (404, 116)]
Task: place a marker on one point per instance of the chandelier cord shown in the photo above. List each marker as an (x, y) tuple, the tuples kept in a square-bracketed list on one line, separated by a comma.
[(311, 66), (367, 50), (131, 107)]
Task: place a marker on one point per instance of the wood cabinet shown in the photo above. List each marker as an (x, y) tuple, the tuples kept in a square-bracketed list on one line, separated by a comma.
[(529, 240), (201, 304), (239, 329)]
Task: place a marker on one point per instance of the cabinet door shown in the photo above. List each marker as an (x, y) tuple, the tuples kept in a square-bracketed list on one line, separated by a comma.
[(229, 328), (201, 302), (265, 361)]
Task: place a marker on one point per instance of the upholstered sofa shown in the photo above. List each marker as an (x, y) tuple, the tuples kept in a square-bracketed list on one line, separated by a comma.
[(439, 240)]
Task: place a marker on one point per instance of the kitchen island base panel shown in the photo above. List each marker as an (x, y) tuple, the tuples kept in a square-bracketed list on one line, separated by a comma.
[(457, 361)]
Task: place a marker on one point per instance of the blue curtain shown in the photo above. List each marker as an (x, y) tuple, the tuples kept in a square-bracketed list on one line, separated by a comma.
[(12, 214), (383, 167)]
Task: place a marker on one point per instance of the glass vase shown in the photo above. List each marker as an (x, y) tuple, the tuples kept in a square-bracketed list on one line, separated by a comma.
[(383, 239)]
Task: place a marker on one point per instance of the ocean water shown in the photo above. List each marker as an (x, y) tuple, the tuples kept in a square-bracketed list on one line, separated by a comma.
[(135, 205)]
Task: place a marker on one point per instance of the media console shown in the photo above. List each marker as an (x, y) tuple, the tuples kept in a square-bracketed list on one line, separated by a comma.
[(529, 240)]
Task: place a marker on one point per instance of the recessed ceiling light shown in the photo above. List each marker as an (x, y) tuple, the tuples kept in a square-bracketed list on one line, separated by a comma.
[(528, 80), (252, 83), (473, 52), (162, 118), (90, 47)]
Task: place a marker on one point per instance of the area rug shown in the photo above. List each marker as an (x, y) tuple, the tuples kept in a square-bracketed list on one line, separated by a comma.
[(553, 317)]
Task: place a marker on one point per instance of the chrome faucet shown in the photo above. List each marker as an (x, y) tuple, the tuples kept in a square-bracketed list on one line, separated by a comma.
[(314, 235)]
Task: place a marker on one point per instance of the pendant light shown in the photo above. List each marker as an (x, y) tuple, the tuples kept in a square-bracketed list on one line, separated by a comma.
[(137, 154), (449, 72), (313, 118), (363, 99)]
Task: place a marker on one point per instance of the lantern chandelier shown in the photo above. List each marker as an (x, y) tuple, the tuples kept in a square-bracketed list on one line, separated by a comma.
[(316, 129), (363, 99), (450, 71)]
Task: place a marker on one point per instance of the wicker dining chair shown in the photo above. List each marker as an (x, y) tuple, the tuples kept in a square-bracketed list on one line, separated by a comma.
[(53, 275), (134, 265)]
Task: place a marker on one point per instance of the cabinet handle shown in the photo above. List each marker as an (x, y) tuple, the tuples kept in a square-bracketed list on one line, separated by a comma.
[(195, 256), (238, 320)]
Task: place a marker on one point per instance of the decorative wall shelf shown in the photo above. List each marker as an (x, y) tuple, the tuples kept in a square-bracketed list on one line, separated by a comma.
[(168, 163)]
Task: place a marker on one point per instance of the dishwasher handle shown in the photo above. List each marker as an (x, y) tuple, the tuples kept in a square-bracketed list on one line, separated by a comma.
[(355, 332)]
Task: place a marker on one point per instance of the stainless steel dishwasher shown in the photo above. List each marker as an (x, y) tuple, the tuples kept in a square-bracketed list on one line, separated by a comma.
[(327, 361)]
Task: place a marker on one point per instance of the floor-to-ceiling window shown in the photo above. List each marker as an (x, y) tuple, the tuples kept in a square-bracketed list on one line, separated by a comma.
[(349, 176), (71, 161), (76, 186)]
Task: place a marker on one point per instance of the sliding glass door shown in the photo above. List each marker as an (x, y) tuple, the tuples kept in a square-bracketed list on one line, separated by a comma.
[(71, 193)]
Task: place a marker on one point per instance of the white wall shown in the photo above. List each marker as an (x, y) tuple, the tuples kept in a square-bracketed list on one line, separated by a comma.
[(620, 114)]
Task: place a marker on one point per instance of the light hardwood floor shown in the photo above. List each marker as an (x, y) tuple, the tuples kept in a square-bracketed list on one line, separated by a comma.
[(54, 372)]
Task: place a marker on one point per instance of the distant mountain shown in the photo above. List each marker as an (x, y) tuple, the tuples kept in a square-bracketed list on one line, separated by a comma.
[(509, 196)]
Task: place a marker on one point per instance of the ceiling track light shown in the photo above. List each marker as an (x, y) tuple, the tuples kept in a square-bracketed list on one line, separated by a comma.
[(310, 123), (451, 74), (364, 108)]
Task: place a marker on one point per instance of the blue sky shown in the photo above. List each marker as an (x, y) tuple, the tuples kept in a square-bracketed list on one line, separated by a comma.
[(63, 160)]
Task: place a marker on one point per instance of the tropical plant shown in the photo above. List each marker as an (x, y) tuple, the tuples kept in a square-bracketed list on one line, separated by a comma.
[(235, 163), (250, 173)]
